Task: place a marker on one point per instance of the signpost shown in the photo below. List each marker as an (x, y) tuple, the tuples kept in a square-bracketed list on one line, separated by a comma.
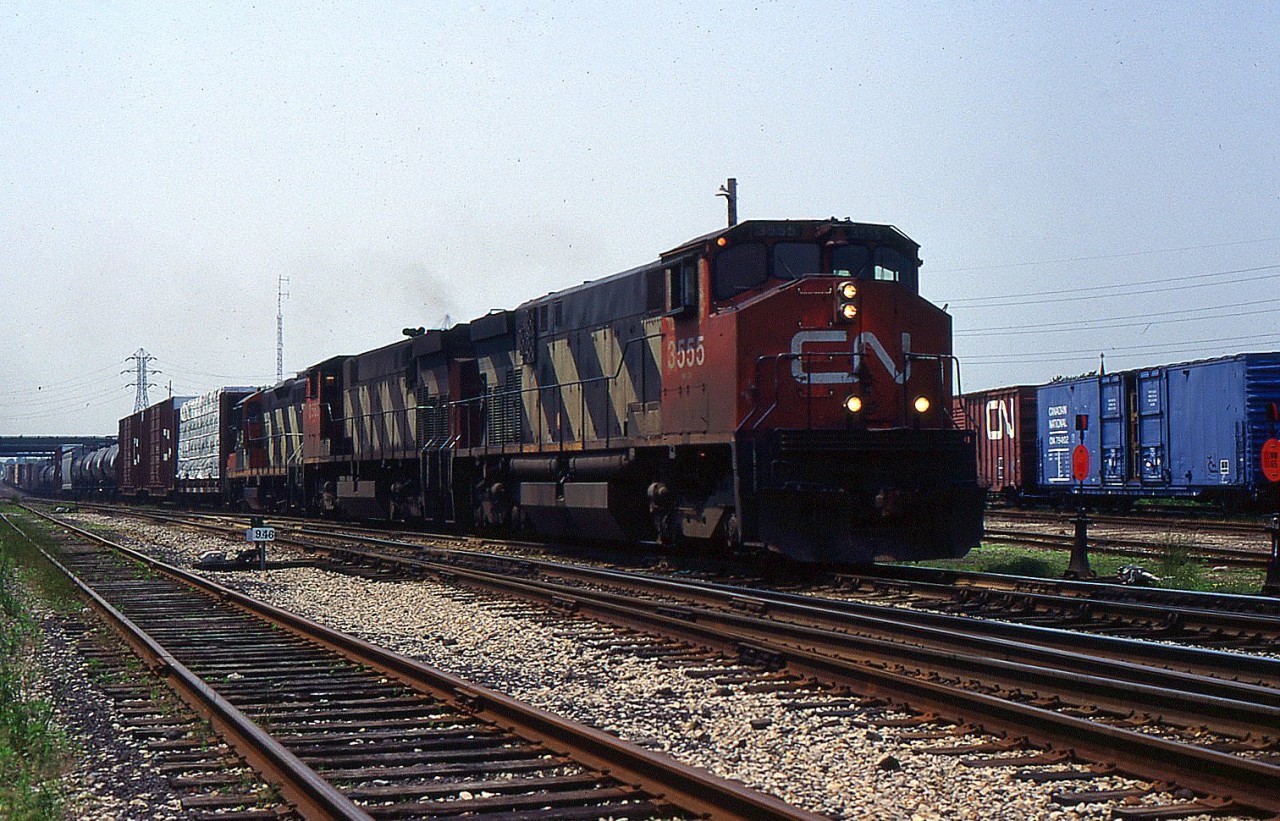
[(259, 533), (1270, 457), (1078, 567)]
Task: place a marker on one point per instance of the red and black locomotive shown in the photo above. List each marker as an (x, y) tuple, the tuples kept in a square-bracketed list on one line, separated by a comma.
[(775, 385)]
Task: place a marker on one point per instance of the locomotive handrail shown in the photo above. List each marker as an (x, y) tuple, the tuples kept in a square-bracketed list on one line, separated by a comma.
[(778, 358), (777, 384)]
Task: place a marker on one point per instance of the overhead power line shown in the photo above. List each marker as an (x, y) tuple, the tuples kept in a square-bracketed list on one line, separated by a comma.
[(1122, 255), (1127, 289), (1129, 321), (1267, 340)]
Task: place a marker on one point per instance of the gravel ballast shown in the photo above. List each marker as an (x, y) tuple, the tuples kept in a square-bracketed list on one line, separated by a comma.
[(834, 765)]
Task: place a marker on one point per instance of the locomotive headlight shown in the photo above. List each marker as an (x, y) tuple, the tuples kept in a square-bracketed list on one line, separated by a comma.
[(846, 301), (853, 404), (922, 404)]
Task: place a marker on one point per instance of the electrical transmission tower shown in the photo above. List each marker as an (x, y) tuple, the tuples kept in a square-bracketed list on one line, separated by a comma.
[(281, 293), (141, 377)]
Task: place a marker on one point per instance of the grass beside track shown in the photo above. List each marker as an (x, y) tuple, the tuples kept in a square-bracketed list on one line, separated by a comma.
[(33, 751), (1176, 567)]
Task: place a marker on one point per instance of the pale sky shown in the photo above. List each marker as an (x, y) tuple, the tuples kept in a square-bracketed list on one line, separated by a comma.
[(1082, 179)]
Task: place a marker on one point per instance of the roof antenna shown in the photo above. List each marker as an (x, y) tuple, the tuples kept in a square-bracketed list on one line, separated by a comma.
[(730, 193)]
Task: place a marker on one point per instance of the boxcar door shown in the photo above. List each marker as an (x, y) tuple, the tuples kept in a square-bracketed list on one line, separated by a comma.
[(1153, 428), (1112, 429)]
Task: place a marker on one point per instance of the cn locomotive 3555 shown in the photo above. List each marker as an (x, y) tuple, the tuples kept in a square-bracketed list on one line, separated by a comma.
[(776, 386)]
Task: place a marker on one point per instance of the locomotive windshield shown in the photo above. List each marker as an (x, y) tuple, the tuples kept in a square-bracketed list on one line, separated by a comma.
[(750, 265)]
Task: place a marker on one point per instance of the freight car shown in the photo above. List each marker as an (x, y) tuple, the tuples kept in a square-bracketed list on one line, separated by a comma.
[(776, 385), (1192, 429), (206, 437), (1004, 422), (147, 461), (1186, 430), (88, 471)]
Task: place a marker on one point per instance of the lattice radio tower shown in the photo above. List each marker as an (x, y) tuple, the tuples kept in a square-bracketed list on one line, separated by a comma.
[(141, 377), (281, 293)]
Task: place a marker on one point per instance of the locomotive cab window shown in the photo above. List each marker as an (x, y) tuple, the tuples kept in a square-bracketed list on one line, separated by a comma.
[(740, 268), (893, 266), (792, 260), (851, 261), (682, 286)]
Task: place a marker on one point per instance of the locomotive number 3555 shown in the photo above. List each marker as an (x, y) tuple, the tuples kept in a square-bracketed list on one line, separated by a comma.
[(685, 353)]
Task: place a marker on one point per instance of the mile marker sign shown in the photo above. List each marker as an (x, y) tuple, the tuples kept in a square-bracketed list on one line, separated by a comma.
[(260, 534), (1271, 460), (1080, 463)]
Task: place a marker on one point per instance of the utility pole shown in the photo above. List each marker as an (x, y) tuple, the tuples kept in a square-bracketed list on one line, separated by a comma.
[(730, 193), (142, 377), (281, 293)]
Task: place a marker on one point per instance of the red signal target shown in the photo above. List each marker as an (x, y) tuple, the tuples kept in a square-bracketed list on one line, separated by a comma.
[(1271, 460), (1080, 463)]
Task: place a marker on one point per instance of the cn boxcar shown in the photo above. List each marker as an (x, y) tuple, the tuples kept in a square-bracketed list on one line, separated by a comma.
[(1188, 429), (1004, 421), (148, 457)]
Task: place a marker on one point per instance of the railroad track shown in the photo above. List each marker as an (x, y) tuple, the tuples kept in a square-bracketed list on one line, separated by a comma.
[(1244, 529), (1128, 546), (1219, 621), (344, 729), (1247, 545), (1054, 700)]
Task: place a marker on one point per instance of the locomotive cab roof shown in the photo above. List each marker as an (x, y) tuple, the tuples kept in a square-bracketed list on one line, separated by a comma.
[(832, 231), (639, 290)]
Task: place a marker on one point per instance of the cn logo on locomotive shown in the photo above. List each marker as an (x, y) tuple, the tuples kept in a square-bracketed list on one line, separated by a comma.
[(863, 342)]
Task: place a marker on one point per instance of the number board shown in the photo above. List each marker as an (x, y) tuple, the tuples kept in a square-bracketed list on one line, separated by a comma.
[(260, 534)]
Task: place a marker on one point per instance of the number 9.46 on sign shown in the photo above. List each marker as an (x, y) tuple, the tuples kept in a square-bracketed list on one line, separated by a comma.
[(260, 534)]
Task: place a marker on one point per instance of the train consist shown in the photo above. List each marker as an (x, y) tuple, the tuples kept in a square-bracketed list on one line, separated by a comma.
[(1192, 430), (776, 386)]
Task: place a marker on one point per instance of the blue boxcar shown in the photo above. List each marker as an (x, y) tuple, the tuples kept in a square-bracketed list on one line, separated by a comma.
[(1191, 429)]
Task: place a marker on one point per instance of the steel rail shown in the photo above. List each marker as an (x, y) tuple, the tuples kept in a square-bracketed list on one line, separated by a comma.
[(310, 794), (690, 788), (1242, 528), (842, 615), (1246, 780), (1231, 705), (1076, 614), (1019, 640), (1098, 590), (1124, 545)]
